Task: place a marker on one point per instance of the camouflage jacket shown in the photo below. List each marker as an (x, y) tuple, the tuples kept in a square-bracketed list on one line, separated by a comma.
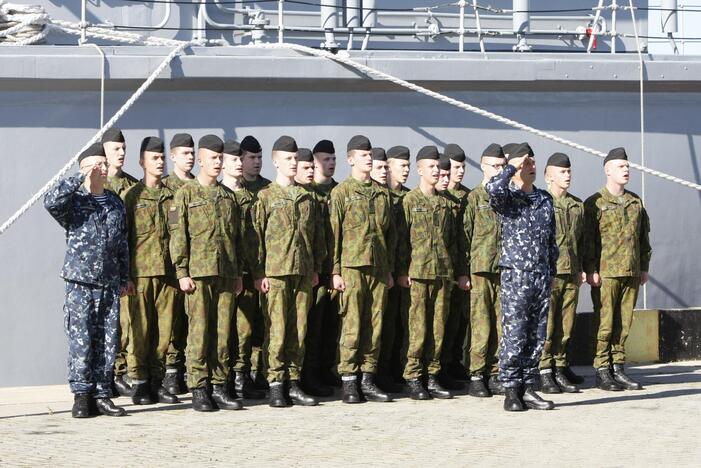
[(482, 234), (364, 232), (255, 186), (147, 223), (569, 232), (426, 248), (120, 184), (96, 237), (205, 232), (174, 182), (458, 201), (244, 198), (617, 233), (323, 192), (289, 231), (527, 225)]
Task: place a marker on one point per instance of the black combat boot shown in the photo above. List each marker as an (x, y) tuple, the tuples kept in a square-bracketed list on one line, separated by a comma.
[(623, 380), (81, 405), (436, 390), (201, 400), (277, 397), (141, 394), (548, 384), (244, 387), (107, 407), (605, 381), (572, 377), (512, 399), (417, 391), (447, 381), (370, 391), (161, 394), (123, 388), (174, 382), (495, 387), (350, 390), (298, 396), (222, 399), (386, 383), (534, 401), (477, 388), (564, 382)]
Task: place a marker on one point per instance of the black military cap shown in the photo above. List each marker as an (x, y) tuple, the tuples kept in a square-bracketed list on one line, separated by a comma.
[(113, 134), (359, 142), (428, 152), (444, 162), (398, 152), (152, 143), (558, 160), (305, 155), (509, 148), (616, 153), (494, 150), (285, 143), (212, 143), (454, 152), (378, 154), (232, 147), (182, 139), (250, 144), (523, 149), (324, 146), (96, 149)]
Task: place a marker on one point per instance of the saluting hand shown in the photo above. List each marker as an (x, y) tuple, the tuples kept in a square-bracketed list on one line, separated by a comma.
[(187, 285), (518, 162)]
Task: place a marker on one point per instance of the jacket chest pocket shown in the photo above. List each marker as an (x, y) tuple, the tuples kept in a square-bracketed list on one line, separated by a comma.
[(576, 222), (610, 221), (421, 222), (199, 217), (145, 215), (631, 218), (227, 211), (305, 212), (485, 221), (281, 216), (357, 212)]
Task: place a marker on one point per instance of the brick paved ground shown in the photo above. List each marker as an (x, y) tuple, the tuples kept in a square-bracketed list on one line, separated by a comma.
[(659, 426)]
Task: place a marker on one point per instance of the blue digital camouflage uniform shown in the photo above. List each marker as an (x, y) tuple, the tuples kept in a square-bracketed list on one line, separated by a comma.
[(95, 268), (528, 262)]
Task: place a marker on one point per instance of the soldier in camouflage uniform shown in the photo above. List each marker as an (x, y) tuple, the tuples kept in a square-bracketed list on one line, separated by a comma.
[(379, 166), (528, 264), (616, 260), (290, 248), (569, 227), (205, 238), (152, 276), (364, 242), (426, 263), (96, 272)]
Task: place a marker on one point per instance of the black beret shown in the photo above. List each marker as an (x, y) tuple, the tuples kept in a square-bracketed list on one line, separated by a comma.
[(182, 139), (250, 144), (324, 146), (378, 154), (359, 142), (521, 150), (454, 152), (152, 143), (305, 155), (113, 134), (616, 153), (212, 143), (509, 148), (558, 160), (96, 149), (285, 143), (428, 152), (493, 151), (444, 162), (398, 152), (232, 147)]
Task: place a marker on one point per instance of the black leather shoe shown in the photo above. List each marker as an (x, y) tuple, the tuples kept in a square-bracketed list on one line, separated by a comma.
[(417, 391), (160, 394), (277, 396), (244, 387), (478, 389), (222, 399), (123, 388), (142, 394), (386, 383), (81, 405), (534, 401), (350, 391), (564, 382), (604, 380), (548, 384), (572, 377), (370, 391), (298, 396), (447, 381), (174, 382), (201, 400), (512, 399), (107, 407), (436, 390), (623, 380), (495, 387)]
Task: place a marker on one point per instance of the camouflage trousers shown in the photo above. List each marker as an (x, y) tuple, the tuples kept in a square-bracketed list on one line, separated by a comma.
[(120, 361), (428, 312), (247, 348), (362, 305), (321, 342), (151, 327), (613, 309), (393, 346), (525, 298), (175, 356), (210, 310), (91, 317), (286, 306), (485, 323), (456, 329), (561, 317)]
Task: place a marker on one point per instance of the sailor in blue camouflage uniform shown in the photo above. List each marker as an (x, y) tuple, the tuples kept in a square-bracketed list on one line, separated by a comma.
[(528, 264), (95, 270)]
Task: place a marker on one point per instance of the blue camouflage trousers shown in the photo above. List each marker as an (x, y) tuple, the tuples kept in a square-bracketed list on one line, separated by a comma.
[(90, 320), (525, 298)]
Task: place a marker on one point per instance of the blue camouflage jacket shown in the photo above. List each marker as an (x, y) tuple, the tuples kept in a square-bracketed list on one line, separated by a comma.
[(527, 225), (96, 237)]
